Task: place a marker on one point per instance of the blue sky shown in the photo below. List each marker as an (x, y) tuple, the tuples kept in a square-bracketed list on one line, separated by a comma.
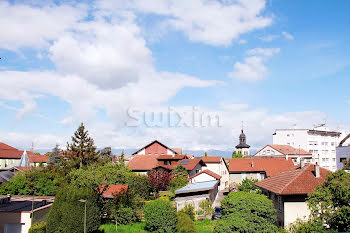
[(270, 64)]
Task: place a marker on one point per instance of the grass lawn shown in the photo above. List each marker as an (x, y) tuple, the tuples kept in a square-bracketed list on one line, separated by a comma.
[(203, 226), (136, 227)]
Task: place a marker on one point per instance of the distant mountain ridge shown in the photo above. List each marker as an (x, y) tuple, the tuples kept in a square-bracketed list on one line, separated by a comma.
[(197, 153)]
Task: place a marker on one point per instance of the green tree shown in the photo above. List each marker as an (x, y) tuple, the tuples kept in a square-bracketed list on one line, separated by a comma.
[(310, 226), (178, 182), (246, 212), (105, 155), (122, 159), (206, 207), (160, 216), (33, 182), (248, 185), (189, 210), (236, 155), (205, 154), (67, 213), (38, 228), (81, 150), (55, 156), (329, 203), (185, 224), (179, 170)]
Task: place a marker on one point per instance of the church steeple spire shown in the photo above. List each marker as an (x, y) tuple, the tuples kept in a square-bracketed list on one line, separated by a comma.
[(243, 147)]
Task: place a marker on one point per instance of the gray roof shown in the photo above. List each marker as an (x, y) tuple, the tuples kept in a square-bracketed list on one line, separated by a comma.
[(197, 187), (5, 176)]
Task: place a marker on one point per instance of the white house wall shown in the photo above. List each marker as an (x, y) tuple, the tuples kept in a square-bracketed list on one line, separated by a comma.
[(220, 169), (201, 178), (295, 210)]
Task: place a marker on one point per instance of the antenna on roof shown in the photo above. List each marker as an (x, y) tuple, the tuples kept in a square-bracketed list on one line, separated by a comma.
[(33, 147)]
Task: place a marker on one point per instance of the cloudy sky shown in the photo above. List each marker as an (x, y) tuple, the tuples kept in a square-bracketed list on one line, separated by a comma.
[(138, 70)]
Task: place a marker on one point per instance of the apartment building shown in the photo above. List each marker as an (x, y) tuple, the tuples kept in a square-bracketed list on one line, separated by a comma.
[(319, 141)]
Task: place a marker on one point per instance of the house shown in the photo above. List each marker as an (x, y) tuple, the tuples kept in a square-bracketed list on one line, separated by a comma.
[(320, 141), (256, 168), (10, 156), (285, 151), (157, 148), (288, 190), (217, 164), (144, 163), (194, 193), (113, 190), (16, 212)]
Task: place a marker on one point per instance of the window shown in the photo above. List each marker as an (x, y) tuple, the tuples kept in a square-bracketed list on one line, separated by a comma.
[(169, 162), (280, 203), (341, 160), (287, 135), (315, 151), (333, 159), (323, 159), (165, 162), (332, 143), (197, 171), (311, 151)]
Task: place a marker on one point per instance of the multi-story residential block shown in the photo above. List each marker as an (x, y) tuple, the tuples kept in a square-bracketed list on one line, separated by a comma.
[(319, 141), (342, 153)]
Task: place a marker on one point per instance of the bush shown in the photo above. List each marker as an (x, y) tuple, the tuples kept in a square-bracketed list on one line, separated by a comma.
[(206, 207), (67, 213), (178, 182), (185, 224), (248, 185), (126, 215), (189, 210), (300, 226), (38, 228), (246, 212), (160, 216)]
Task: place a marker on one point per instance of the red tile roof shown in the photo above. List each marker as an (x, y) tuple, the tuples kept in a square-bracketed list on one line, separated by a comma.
[(271, 166), (155, 141), (36, 158), (212, 159), (190, 164), (294, 181), (287, 150), (171, 157), (143, 163), (112, 190), (4, 146), (210, 173)]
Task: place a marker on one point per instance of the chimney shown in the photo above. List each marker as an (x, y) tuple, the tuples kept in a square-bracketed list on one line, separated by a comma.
[(317, 171), (302, 163)]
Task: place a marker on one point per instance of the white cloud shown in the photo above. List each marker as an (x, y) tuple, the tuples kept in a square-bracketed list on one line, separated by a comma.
[(210, 22), (252, 70), (288, 36), (107, 54), (263, 51), (31, 26)]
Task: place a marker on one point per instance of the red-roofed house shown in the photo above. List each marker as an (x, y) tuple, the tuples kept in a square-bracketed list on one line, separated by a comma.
[(205, 175), (156, 148), (218, 165), (285, 151), (11, 156), (113, 190), (257, 168), (288, 190), (144, 163)]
